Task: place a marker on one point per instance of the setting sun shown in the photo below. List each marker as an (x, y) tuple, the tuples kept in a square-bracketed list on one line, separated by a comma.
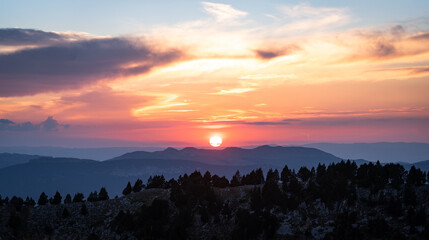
[(215, 141)]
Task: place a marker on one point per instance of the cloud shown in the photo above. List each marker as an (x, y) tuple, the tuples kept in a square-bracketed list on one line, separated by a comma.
[(269, 53), (306, 17), (18, 36), (74, 64), (258, 123), (266, 76), (367, 121), (49, 125), (421, 36), (235, 91), (102, 103), (306, 10), (386, 44), (223, 12)]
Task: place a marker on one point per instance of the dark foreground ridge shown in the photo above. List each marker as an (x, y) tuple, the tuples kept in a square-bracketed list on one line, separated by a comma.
[(340, 201)]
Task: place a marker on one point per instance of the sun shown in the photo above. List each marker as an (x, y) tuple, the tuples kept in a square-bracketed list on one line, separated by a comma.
[(215, 141)]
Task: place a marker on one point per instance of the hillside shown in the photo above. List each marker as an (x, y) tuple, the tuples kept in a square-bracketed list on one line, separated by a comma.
[(341, 201), (9, 159)]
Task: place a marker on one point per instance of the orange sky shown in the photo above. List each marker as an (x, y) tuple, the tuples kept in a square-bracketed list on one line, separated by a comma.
[(308, 79)]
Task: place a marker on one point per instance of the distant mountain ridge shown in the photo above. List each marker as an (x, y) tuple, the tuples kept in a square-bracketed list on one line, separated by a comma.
[(9, 159), (87, 153), (276, 156), (69, 175), (382, 151)]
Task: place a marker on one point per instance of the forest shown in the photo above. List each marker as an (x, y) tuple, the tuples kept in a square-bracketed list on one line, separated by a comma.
[(338, 201)]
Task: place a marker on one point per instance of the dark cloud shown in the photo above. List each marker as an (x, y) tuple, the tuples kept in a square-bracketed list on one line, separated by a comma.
[(5, 122), (339, 121), (384, 49), (397, 30), (260, 123), (50, 124), (421, 36), (266, 123), (361, 121), (18, 36), (73, 64), (269, 53)]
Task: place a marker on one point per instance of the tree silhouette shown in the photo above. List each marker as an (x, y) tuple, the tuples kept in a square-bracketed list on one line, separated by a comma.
[(57, 199), (416, 177), (93, 197), (236, 179), (43, 199), (68, 199), (78, 197), (157, 181), (17, 202), (304, 174), (103, 195), (127, 190), (138, 185)]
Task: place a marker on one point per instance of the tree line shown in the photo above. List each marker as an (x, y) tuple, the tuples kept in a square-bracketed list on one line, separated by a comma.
[(194, 194)]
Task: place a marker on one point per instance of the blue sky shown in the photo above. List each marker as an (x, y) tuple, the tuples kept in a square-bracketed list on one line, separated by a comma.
[(105, 17)]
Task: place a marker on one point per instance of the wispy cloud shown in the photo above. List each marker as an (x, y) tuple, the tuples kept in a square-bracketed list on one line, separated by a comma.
[(266, 76), (223, 12), (235, 90), (305, 17)]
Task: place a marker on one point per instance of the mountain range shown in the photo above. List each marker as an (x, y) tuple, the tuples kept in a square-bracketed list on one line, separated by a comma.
[(71, 175), (23, 175)]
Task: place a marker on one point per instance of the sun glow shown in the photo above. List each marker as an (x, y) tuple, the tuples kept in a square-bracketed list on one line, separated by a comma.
[(215, 141)]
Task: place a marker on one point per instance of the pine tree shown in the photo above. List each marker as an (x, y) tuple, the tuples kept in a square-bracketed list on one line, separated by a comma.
[(43, 199), (138, 185), (207, 178), (304, 174), (236, 179), (157, 181), (103, 195), (78, 197), (68, 199), (127, 190), (57, 199), (93, 197), (285, 174)]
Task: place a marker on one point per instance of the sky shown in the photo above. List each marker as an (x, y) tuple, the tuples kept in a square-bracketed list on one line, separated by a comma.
[(175, 73)]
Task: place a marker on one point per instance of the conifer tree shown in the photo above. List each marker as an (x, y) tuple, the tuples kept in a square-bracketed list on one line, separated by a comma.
[(57, 199), (68, 199), (138, 185), (103, 195), (127, 190), (78, 197), (43, 199)]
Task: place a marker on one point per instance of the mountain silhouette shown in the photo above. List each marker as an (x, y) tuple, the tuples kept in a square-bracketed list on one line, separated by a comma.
[(71, 175)]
